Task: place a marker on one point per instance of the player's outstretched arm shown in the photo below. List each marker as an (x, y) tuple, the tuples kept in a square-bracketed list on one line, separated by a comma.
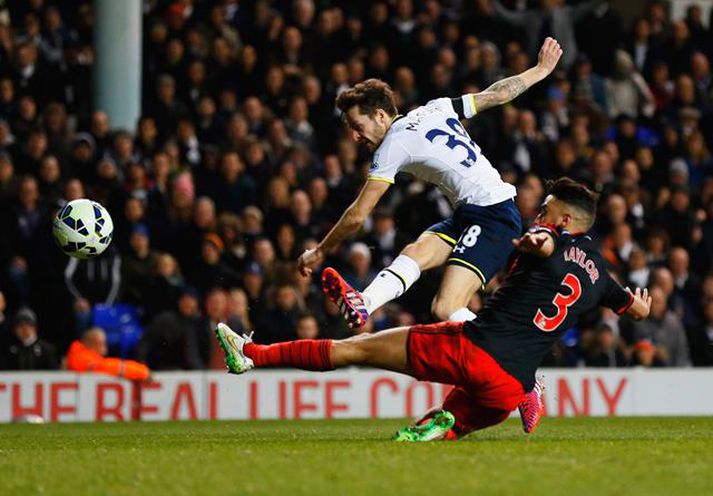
[(350, 222), (539, 244), (510, 88), (641, 306)]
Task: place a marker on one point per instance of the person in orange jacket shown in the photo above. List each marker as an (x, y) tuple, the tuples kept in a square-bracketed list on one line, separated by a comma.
[(88, 354)]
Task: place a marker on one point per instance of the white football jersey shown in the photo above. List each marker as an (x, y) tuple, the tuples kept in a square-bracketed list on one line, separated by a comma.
[(430, 143)]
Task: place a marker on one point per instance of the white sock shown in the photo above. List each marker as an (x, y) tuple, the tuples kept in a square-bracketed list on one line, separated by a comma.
[(391, 282), (461, 315)]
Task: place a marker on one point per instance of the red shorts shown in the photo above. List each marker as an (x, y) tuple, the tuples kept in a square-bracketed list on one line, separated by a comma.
[(443, 353)]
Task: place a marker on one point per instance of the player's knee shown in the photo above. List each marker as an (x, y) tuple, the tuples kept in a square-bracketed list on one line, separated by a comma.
[(412, 250)]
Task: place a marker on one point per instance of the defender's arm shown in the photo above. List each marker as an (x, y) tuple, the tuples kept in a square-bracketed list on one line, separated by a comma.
[(641, 306), (540, 244)]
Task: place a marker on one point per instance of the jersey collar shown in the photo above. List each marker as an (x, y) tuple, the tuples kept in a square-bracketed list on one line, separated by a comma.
[(577, 233), (391, 126)]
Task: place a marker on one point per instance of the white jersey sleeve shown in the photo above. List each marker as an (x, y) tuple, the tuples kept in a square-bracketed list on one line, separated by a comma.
[(463, 106), (388, 160), (444, 105)]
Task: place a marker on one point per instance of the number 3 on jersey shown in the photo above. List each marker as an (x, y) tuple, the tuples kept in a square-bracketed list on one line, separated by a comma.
[(454, 142), (562, 303)]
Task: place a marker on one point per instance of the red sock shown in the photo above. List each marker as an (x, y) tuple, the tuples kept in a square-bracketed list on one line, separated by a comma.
[(307, 354)]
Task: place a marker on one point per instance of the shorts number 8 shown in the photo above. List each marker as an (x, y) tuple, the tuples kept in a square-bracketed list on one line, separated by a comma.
[(471, 236)]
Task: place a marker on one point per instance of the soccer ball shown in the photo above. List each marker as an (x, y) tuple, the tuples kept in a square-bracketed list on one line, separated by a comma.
[(83, 228)]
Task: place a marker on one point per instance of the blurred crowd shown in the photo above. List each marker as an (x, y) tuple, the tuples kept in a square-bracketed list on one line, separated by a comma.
[(239, 162)]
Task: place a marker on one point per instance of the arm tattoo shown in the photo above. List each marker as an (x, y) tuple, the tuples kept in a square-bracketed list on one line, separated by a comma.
[(512, 86), (500, 92)]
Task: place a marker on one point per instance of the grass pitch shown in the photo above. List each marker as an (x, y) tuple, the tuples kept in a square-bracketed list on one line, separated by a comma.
[(596, 456)]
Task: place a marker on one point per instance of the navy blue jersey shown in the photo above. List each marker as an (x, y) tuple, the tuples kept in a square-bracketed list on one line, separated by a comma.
[(540, 299)]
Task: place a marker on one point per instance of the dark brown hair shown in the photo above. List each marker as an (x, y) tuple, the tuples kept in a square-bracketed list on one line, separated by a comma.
[(575, 194), (370, 95)]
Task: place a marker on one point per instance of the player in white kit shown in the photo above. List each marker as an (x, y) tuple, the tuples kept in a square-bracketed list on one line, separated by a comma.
[(430, 143)]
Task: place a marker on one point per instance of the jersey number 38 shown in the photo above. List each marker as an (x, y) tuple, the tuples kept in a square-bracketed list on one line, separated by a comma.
[(460, 139)]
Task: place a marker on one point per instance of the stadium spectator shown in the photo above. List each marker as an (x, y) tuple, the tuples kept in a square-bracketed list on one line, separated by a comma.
[(552, 19), (646, 354), (26, 221), (286, 249), (661, 85), (237, 189), (627, 92), (216, 310), (698, 159), (211, 271), (50, 179), (137, 268), (702, 342), (232, 233), (665, 331), (91, 282), (606, 350), (25, 350), (637, 268), (4, 327), (164, 285), (307, 327), (88, 354), (190, 233), (279, 323), (385, 238), (687, 284), (264, 255), (239, 309), (167, 110), (168, 342), (359, 273), (642, 46)]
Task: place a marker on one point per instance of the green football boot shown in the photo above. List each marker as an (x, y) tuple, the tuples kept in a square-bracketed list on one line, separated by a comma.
[(232, 344), (434, 429)]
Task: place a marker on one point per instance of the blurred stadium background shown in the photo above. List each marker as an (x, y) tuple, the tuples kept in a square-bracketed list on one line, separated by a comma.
[(208, 129)]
